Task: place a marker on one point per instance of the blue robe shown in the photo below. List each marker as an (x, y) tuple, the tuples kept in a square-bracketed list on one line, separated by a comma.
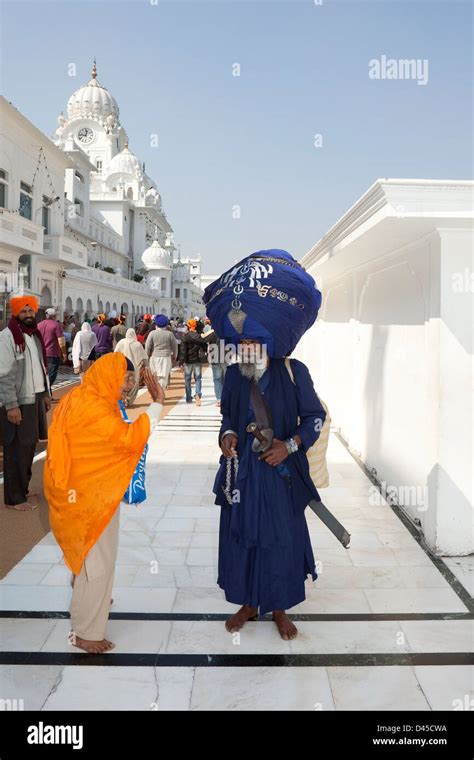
[(265, 551)]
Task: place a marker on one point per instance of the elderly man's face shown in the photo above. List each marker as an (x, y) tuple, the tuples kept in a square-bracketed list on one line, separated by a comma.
[(27, 316), (250, 350), (253, 359)]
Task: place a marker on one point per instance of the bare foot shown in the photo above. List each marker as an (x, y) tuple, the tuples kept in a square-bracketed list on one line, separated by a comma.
[(23, 507), (285, 627), (237, 621), (93, 647), (198, 400)]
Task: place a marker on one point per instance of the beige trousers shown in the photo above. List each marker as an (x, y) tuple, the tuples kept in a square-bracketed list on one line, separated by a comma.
[(161, 367), (92, 588)]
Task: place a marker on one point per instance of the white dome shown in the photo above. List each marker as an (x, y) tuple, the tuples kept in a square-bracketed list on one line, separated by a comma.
[(93, 101), (181, 271), (155, 257), (124, 162)]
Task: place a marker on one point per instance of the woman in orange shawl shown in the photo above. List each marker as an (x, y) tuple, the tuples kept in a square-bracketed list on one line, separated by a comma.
[(92, 455)]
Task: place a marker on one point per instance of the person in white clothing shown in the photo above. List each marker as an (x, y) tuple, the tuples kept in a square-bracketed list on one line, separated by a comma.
[(162, 349), (83, 349)]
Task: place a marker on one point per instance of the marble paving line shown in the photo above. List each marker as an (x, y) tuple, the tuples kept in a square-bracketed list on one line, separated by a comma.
[(180, 660)]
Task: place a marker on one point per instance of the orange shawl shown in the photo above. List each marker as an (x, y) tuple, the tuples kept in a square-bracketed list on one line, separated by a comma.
[(92, 454)]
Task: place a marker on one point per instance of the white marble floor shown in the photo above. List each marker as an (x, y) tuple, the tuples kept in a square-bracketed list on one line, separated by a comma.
[(167, 564)]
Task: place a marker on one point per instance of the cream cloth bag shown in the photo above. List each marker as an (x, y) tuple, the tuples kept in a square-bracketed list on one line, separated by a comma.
[(317, 453)]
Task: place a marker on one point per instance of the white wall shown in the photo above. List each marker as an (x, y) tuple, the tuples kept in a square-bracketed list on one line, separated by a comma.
[(451, 480), (391, 354)]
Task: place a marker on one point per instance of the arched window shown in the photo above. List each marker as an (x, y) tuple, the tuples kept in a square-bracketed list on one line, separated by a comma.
[(46, 298), (89, 305), (79, 305), (101, 307), (68, 305), (107, 308)]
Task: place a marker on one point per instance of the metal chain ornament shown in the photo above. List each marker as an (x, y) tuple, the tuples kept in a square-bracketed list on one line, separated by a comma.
[(228, 476)]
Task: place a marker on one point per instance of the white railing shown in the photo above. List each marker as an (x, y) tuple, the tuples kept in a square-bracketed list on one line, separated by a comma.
[(113, 280)]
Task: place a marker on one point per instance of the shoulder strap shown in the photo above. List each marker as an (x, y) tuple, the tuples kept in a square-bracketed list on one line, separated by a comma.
[(263, 415), (290, 371)]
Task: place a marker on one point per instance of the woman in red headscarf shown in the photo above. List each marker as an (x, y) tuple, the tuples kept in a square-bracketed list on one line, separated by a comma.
[(84, 490)]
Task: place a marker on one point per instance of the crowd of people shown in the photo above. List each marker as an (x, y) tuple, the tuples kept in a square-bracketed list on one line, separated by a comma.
[(156, 342)]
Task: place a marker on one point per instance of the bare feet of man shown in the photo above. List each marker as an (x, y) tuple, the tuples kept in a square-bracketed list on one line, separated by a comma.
[(237, 621), (93, 647), (285, 627)]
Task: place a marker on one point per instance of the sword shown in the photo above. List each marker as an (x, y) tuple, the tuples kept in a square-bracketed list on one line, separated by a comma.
[(262, 442), (331, 522)]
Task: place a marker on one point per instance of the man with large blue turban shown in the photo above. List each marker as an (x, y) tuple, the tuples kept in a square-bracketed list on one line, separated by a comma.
[(271, 415)]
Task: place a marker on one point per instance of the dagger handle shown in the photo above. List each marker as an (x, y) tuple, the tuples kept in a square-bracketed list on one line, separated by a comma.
[(252, 427)]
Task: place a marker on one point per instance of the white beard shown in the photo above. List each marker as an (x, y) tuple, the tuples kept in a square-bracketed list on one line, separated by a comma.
[(251, 370)]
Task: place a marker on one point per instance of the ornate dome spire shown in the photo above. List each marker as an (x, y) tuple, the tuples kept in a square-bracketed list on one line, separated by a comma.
[(93, 101)]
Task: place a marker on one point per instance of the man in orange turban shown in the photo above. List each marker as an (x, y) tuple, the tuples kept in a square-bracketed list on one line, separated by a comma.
[(24, 399), (84, 490), (193, 355)]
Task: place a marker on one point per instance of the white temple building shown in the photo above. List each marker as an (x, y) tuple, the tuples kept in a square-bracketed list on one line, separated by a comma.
[(102, 241)]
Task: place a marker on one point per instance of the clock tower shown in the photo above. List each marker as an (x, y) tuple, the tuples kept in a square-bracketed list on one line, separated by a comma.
[(93, 123)]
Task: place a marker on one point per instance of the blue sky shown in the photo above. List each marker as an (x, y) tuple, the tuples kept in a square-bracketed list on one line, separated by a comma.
[(247, 141)]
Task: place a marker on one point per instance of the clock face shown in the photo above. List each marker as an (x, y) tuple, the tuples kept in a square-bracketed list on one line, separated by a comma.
[(85, 135)]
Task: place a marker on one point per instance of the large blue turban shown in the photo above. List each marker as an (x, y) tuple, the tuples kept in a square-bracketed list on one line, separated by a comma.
[(267, 296)]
